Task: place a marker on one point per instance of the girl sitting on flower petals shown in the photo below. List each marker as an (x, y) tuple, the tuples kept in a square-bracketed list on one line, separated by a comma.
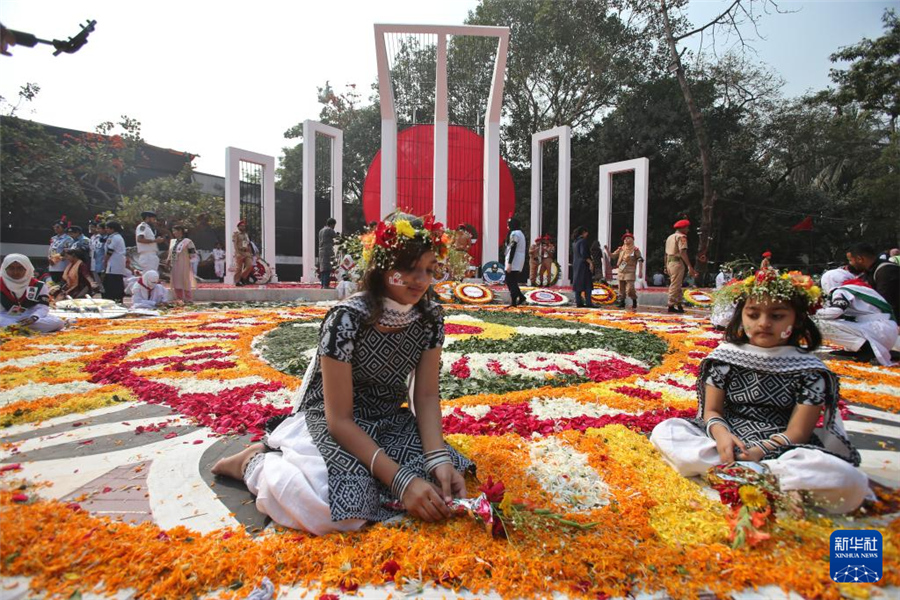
[(761, 394), (353, 446), (24, 300)]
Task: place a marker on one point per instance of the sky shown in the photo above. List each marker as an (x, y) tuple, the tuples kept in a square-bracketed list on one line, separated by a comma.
[(201, 76)]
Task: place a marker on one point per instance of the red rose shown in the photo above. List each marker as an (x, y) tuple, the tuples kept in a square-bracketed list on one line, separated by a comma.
[(493, 491)]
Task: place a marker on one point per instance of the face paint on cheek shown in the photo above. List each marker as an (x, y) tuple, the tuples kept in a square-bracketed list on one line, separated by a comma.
[(396, 280)]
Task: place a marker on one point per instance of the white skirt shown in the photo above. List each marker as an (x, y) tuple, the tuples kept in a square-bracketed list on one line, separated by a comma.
[(291, 485), (834, 484)]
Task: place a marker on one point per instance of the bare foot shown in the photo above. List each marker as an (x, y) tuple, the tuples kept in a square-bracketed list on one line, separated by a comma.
[(234, 465)]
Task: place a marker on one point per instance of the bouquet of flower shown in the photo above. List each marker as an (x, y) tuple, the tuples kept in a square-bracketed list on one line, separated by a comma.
[(753, 497), (500, 514)]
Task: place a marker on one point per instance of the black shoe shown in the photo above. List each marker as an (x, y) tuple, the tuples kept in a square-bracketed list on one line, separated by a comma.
[(679, 309), (523, 299), (842, 353), (673, 309), (634, 303), (239, 283)]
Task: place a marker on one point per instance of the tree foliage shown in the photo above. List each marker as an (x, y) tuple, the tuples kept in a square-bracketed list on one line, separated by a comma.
[(873, 78), (178, 199), (594, 65)]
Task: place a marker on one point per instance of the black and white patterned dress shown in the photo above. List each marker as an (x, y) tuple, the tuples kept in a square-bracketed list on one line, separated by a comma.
[(763, 388), (381, 364)]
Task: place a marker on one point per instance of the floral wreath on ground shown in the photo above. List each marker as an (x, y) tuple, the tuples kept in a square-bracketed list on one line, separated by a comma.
[(603, 294), (699, 298), (545, 297), (444, 290), (473, 293)]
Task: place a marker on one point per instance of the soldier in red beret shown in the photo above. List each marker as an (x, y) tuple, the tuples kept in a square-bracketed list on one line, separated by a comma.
[(766, 261), (677, 261)]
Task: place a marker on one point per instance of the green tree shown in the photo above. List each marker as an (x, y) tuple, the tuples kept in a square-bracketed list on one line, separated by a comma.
[(177, 200), (361, 124), (873, 78), (36, 184), (569, 62)]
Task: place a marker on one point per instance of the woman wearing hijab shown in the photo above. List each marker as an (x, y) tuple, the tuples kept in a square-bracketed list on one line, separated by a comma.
[(24, 300), (147, 292)]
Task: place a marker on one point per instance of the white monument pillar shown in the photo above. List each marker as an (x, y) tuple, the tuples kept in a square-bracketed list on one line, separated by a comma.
[(233, 158), (388, 127), (491, 219), (441, 133), (310, 130), (641, 168), (564, 134)]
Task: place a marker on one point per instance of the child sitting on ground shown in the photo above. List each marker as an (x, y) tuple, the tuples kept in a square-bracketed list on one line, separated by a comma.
[(147, 292), (24, 300), (761, 394)]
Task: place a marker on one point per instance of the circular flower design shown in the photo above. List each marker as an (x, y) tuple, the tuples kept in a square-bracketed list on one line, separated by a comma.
[(603, 294), (698, 298), (546, 297), (473, 293), (444, 291)]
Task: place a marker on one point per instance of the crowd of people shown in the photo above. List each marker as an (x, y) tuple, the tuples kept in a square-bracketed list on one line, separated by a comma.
[(860, 312)]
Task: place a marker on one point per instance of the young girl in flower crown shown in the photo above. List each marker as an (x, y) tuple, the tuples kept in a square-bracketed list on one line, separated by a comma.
[(352, 446), (761, 394)]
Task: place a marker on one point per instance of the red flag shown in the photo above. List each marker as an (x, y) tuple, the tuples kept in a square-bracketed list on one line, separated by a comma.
[(804, 225)]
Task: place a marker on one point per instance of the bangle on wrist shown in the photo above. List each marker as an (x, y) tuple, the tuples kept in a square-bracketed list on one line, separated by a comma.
[(402, 478), (781, 438), (372, 462), (713, 421)]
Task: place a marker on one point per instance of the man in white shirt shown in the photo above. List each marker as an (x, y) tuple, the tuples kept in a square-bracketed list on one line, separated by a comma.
[(516, 251), (147, 240)]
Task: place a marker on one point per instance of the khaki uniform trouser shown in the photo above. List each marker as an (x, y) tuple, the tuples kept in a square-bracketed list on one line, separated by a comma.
[(627, 289), (533, 269), (676, 275)]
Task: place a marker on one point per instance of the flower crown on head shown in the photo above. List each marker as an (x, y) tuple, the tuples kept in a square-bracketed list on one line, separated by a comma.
[(383, 244), (772, 284)]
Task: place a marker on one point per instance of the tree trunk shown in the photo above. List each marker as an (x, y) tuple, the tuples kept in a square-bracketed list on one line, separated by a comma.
[(709, 195)]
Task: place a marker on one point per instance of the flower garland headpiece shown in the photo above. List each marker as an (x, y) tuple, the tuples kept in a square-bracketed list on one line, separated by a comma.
[(772, 284), (383, 244)]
